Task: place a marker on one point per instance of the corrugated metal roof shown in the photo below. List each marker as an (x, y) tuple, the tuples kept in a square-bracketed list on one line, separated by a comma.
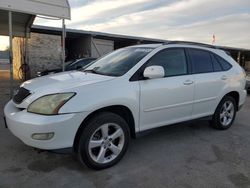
[(110, 36), (21, 23), (55, 30), (24, 12), (52, 8)]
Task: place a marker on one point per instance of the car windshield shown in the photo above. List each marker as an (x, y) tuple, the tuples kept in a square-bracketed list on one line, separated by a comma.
[(78, 63), (118, 62), (73, 63)]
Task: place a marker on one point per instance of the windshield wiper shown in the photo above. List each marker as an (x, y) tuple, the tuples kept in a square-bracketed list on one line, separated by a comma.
[(91, 71)]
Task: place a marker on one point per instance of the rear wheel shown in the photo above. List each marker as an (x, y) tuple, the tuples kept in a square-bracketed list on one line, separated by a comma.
[(225, 113), (104, 141)]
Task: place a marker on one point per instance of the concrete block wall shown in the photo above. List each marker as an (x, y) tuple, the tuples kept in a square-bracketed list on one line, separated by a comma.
[(44, 52)]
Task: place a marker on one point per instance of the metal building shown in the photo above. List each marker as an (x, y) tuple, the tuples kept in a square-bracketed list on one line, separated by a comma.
[(17, 16), (80, 43)]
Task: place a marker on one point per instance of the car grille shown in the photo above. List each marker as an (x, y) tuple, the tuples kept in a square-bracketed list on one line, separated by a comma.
[(21, 95)]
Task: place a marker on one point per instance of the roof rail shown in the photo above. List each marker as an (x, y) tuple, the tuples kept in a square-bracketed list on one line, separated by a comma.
[(191, 43)]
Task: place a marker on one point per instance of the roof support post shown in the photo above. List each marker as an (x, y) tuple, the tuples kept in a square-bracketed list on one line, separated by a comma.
[(238, 57), (63, 44), (11, 53)]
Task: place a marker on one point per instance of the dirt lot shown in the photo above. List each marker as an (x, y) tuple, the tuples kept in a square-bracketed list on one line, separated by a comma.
[(183, 155)]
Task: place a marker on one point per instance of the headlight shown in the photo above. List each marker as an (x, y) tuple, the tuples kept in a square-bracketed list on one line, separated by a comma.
[(49, 104)]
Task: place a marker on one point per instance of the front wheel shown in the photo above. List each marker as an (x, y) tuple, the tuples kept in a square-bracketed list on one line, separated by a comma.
[(104, 141), (225, 113)]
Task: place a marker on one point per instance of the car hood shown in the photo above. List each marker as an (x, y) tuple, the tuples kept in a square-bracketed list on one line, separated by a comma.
[(63, 81)]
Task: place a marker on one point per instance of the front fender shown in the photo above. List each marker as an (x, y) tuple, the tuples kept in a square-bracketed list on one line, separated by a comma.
[(92, 98)]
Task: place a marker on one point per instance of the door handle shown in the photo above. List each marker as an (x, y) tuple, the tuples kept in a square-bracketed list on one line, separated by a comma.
[(188, 82), (224, 77)]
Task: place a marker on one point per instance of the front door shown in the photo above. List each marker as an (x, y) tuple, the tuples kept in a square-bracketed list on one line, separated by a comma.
[(170, 99)]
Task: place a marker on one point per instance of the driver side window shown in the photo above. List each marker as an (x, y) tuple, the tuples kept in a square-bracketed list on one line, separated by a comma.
[(172, 60)]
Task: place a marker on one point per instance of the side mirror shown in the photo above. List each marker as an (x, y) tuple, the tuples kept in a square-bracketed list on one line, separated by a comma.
[(152, 72)]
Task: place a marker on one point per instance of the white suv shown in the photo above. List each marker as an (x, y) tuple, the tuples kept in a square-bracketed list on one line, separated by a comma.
[(95, 111)]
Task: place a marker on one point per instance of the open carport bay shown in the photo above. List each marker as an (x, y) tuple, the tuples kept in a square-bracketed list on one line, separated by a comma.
[(183, 155)]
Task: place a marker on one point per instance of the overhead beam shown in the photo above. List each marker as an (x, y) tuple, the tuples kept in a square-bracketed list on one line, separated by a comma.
[(20, 23), (18, 31), (28, 25)]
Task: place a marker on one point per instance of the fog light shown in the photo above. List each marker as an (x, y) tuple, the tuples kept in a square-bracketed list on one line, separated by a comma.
[(42, 136)]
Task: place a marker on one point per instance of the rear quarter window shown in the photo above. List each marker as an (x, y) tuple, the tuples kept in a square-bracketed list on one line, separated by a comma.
[(224, 64), (216, 64)]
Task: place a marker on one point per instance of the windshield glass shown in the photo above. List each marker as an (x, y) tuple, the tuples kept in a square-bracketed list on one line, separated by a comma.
[(118, 62), (79, 63), (74, 62), (71, 64)]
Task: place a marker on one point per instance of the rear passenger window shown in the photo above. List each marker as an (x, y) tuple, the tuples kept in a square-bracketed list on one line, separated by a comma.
[(201, 61), (225, 65), (216, 64)]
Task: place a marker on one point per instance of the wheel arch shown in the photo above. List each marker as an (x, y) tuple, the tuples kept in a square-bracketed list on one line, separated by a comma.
[(236, 96), (120, 110)]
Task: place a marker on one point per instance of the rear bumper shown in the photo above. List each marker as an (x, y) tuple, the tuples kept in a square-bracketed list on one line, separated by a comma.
[(240, 106), (243, 96), (247, 86), (24, 124)]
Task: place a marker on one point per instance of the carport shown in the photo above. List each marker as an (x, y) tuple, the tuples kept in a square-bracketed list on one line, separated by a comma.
[(17, 16)]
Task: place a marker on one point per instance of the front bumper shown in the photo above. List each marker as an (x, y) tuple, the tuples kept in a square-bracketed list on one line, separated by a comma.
[(24, 124)]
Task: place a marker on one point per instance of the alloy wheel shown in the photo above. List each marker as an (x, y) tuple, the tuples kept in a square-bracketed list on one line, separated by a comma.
[(106, 143), (227, 113)]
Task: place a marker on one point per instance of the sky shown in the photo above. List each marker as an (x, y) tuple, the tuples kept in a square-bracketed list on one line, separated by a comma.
[(191, 20)]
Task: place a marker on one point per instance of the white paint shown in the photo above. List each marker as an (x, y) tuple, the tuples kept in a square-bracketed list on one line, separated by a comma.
[(153, 102)]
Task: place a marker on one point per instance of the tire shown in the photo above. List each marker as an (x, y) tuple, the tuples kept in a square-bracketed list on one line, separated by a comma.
[(96, 147), (224, 115)]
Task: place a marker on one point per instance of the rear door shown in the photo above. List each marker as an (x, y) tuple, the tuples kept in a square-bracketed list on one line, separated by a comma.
[(210, 79)]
